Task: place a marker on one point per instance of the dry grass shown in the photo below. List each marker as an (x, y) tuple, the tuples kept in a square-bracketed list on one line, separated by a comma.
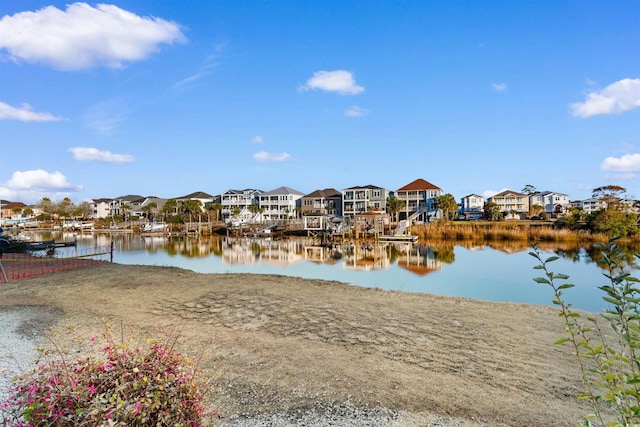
[(525, 231)]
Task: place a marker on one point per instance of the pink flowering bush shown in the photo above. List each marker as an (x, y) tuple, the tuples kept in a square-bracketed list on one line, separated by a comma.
[(126, 385)]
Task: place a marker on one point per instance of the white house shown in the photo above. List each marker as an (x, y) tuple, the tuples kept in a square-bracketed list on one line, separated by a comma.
[(280, 203), (238, 199), (513, 203), (553, 203), (100, 208), (472, 206), (591, 205)]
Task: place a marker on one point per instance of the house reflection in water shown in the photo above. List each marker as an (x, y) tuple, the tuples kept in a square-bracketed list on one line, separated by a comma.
[(255, 250), (366, 256), (420, 260), (354, 255)]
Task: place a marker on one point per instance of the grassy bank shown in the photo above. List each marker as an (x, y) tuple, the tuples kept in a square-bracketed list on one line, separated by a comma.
[(526, 231)]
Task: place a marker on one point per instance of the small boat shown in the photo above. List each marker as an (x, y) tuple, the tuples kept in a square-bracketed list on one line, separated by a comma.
[(399, 238), (153, 227)]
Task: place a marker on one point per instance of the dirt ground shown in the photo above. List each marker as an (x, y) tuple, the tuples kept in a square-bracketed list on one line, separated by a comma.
[(282, 344)]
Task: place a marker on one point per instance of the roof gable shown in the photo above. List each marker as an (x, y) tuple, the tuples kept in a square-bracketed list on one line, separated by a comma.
[(282, 190), (365, 187), (326, 193), (419, 184), (197, 195), (509, 193)]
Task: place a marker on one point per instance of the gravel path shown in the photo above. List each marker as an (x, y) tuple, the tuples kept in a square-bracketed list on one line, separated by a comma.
[(20, 332)]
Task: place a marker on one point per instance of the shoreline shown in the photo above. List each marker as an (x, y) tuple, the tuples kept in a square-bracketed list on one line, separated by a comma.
[(287, 347)]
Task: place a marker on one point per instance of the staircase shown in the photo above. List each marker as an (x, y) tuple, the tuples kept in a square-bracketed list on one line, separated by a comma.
[(402, 225)]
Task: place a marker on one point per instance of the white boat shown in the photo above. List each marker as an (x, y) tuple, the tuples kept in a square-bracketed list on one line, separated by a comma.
[(153, 227)]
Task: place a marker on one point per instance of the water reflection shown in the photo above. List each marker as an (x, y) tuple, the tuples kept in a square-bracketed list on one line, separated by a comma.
[(417, 258), (499, 271)]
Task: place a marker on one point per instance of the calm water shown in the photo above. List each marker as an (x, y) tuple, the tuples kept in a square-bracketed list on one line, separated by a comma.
[(504, 273)]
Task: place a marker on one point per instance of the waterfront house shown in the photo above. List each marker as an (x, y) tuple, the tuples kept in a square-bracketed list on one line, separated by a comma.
[(471, 207), (513, 204), (281, 203), (141, 210), (199, 196), (419, 197), (232, 200), (590, 205), (100, 208), (553, 203), (11, 212), (356, 200), (122, 205), (322, 202)]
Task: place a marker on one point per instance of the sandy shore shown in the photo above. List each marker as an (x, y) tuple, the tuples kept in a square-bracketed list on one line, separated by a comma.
[(292, 348)]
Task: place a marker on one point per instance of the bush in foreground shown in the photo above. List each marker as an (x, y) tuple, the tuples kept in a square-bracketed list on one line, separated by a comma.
[(609, 363), (124, 385)]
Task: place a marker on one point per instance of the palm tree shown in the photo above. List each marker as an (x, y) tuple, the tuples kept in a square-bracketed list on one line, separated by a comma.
[(149, 210), (394, 207), (125, 208), (217, 207), (447, 204)]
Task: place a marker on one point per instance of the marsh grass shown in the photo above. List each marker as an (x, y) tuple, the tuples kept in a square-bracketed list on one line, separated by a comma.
[(525, 231)]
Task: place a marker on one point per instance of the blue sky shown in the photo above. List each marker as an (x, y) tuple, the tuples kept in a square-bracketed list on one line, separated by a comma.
[(164, 98)]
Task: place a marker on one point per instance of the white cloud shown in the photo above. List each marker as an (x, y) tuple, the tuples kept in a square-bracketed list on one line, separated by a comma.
[(263, 156), (37, 180), (625, 163), (499, 87), (257, 139), (24, 114), (355, 111), (339, 81), (93, 154), (31, 186), (84, 37), (618, 97)]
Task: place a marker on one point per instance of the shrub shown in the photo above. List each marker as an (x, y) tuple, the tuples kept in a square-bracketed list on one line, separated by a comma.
[(125, 385), (609, 365)]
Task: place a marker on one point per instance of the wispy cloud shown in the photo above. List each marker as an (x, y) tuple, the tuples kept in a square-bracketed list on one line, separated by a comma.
[(263, 156), (204, 70), (83, 36), (355, 111), (618, 97), (339, 81), (499, 87), (24, 113), (106, 116), (257, 140), (95, 155)]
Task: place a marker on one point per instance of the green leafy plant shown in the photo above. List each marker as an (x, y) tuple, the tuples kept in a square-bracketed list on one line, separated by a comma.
[(123, 384), (608, 362)]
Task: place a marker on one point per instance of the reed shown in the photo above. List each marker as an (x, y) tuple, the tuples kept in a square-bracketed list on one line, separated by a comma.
[(492, 231)]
